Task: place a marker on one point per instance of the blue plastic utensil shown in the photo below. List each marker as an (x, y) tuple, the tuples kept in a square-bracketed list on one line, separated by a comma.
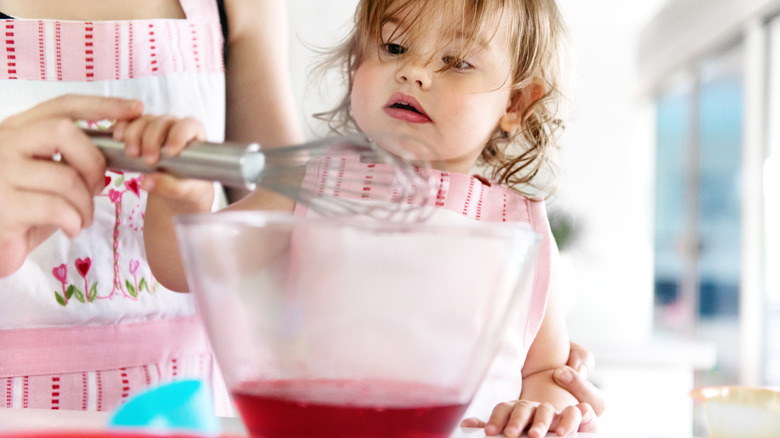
[(182, 406)]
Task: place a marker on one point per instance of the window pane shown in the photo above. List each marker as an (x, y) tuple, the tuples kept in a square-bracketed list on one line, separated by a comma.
[(671, 198), (720, 156)]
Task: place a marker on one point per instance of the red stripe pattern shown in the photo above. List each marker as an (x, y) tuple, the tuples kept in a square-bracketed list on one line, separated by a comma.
[(84, 391), (152, 50), (110, 388), (89, 52), (125, 383), (107, 50), (41, 48), (26, 392), (348, 178), (9, 389), (58, 49), (10, 50), (55, 392)]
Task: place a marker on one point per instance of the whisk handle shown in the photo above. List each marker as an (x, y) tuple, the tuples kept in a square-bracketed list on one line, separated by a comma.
[(232, 164)]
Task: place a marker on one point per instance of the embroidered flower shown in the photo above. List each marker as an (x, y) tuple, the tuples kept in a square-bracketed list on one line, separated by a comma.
[(134, 264), (114, 195), (83, 265), (61, 273), (88, 294), (132, 185)]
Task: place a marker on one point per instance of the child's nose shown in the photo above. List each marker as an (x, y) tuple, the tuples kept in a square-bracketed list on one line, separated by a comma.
[(415, 73)]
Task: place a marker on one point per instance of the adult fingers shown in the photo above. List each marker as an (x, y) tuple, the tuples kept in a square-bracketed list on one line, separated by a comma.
[(40, 210), (18, 235), (582, 389), (53, 180), (80, 107), (41, 140)]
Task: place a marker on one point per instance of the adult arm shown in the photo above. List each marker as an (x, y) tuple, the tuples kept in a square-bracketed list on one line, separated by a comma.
[(260, 102)]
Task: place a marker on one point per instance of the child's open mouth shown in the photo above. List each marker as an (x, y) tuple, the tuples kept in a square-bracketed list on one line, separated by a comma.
[(404, 107)]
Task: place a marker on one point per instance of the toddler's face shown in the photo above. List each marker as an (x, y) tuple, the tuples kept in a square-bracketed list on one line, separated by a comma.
[(400, 88)]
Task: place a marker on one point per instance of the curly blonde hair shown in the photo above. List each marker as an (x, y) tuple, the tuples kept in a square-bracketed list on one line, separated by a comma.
[(536, 35)]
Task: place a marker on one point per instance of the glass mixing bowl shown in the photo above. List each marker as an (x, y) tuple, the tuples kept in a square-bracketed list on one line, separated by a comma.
[(346, 328)]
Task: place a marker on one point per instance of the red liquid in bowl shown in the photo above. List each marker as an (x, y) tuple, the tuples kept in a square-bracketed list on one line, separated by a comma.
[(345, 409)]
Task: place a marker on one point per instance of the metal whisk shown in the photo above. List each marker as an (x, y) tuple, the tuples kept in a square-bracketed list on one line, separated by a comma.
[(333, 176)]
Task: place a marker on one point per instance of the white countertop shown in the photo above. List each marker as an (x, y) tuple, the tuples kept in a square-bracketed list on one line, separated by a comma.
[(19, 420)]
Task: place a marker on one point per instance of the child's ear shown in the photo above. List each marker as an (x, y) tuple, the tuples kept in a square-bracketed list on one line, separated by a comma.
[(520, 101)]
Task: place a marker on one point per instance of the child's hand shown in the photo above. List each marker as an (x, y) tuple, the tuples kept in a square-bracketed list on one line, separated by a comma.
[(573, 377), (150, 137), (514, 417)]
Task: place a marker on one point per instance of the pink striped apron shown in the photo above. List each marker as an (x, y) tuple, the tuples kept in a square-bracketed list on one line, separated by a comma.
[(83, 324)]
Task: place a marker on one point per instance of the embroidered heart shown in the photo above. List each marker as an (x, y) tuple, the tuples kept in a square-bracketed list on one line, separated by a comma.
[(106, 181), (61, 273), (82, 265), (132, 185), (134, 264), (114, 195)]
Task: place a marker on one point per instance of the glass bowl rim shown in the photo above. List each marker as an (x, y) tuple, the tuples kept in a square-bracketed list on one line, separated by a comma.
[(261, 218)]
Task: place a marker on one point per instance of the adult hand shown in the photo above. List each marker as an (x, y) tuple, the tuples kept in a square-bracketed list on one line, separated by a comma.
[(39, 195), (574, 378)]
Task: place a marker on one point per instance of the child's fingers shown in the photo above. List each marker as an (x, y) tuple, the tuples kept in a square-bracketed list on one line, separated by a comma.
[(191, 195), (155, 137), (472, 422), (118, 133), (590, 421), (567, 422), (512, 417), (132, 135), (181, 134), (543, 418), (498, 418)]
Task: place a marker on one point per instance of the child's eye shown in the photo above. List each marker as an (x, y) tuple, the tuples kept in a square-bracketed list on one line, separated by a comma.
[(456, 63), (395, 49)]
